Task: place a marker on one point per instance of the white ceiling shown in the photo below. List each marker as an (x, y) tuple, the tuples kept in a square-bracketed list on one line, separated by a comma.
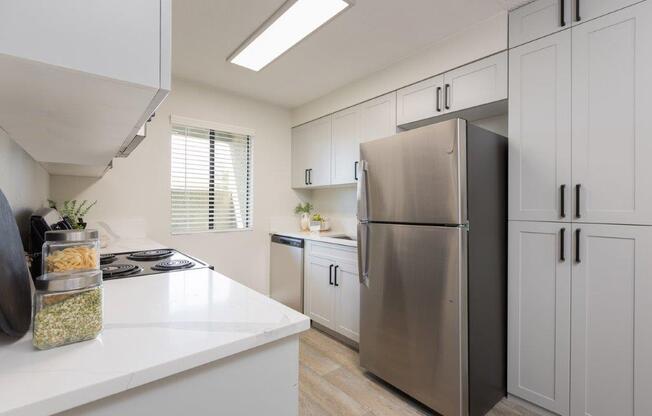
[(370, 36)]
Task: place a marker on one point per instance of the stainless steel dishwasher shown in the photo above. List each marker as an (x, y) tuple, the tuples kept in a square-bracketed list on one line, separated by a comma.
[(286, 271)]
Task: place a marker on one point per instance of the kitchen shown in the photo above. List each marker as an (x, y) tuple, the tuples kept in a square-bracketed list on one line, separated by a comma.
[(477, 189)]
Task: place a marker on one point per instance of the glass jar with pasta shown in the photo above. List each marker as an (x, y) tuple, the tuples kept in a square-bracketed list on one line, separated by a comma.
[(70, 250)]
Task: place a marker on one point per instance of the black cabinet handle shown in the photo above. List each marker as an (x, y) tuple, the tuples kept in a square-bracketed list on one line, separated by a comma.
[(305, 176), (578, 194), (562, 208), (355, 170), (336, 275), (309, 176), (330, 275), (562, 18), (577, 11), (447, 89), (438, 99), (562, 243), (577, 246)]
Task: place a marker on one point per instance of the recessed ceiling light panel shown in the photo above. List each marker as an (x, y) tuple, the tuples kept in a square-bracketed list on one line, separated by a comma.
[(295, 20)]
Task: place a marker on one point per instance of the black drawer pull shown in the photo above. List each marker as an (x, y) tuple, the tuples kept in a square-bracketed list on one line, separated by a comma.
[(577, 246), (578, 194), (330, 275), (562, 190), (562, 242), (336, 275)]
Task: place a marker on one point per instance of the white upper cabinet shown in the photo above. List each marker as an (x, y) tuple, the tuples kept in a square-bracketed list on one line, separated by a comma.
[(540, 129), (612, 126), (478, 83), (584, 10), (420, 101), (336, 140), (80, 78), (347, 131), (611, 347), (481, 82), (378, 118), (311, 154), (537, 19), (539, 313)]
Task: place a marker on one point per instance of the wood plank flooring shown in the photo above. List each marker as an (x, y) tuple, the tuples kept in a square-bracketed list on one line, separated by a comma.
[(331, 383)]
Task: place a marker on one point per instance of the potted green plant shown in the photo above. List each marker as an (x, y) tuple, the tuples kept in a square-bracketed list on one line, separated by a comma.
[(304, 211), (76, 212)]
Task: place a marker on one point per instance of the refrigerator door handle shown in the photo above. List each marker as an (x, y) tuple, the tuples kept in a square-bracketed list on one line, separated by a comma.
[(363, 253), (363, 209)]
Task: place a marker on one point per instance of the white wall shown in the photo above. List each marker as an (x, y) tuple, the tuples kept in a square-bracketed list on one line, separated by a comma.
[(138, 186), (482, 40), (23, 181)]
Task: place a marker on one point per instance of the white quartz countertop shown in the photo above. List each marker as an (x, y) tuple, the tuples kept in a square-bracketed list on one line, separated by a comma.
[(154, 326), (323, 236)]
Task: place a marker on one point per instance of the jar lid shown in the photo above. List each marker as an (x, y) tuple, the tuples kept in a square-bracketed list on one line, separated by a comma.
[(71, 235), (61, 282)]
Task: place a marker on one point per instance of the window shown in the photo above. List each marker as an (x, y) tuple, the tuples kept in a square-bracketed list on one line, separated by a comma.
[(211, 178)]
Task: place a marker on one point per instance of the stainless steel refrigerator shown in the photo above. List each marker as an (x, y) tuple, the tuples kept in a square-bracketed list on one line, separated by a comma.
[(432, 211)]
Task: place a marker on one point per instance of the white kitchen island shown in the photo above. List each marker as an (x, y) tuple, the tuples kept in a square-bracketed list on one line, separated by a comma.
[(181, 343)]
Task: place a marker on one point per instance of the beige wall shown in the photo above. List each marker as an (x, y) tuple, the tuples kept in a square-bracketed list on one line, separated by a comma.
[(482, 40), (23, 181), (138, 186)]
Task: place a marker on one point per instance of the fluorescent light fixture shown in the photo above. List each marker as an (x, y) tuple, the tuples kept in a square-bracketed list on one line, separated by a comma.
[(295, 20)]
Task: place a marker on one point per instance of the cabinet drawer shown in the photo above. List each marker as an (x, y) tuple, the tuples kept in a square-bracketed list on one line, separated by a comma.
[(333, 251)]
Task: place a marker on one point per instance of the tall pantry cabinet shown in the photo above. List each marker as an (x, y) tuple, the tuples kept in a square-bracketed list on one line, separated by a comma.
[(580, 207)]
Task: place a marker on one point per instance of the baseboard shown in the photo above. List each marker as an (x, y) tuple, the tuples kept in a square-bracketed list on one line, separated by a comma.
[(336, 335)]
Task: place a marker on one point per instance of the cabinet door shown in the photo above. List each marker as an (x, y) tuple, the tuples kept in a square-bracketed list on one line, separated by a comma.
[(347, 301), (319, 152), (378, 118), (539, 313), (420, 101), (320, 294), (612, 126), (611, 346), (540, 129), (538, 19), (346, 142), (311, 154), (115, 39), (590, 9), (300, 156), (481, 82)]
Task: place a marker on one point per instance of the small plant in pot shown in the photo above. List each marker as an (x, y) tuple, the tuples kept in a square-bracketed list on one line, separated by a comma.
[(304, 210), (75, 211)]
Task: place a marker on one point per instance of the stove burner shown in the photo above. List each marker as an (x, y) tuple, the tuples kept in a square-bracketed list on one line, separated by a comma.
[(173, 264), (150, 255), (107, 258), (119, 270)]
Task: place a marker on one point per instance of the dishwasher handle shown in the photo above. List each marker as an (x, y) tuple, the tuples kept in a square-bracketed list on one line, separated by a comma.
[(288, 241)]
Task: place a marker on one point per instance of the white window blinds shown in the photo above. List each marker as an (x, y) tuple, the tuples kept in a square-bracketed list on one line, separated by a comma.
[(211, 180)]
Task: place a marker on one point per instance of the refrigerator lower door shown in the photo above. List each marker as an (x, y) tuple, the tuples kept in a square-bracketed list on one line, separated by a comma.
[(413, 331)]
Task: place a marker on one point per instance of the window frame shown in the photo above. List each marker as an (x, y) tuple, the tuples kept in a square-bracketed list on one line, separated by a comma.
[(212, 127)]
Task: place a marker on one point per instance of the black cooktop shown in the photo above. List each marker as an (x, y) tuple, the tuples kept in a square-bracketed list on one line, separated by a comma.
[(142, 263)]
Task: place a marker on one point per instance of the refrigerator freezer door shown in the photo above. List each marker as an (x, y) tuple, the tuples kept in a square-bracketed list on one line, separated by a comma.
[(413, 313), (416, 177)]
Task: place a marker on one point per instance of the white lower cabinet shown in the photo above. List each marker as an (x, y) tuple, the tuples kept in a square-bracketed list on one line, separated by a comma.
[(580, 342), (611, 341), (319, 291), (539, 313), (332, 289)]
